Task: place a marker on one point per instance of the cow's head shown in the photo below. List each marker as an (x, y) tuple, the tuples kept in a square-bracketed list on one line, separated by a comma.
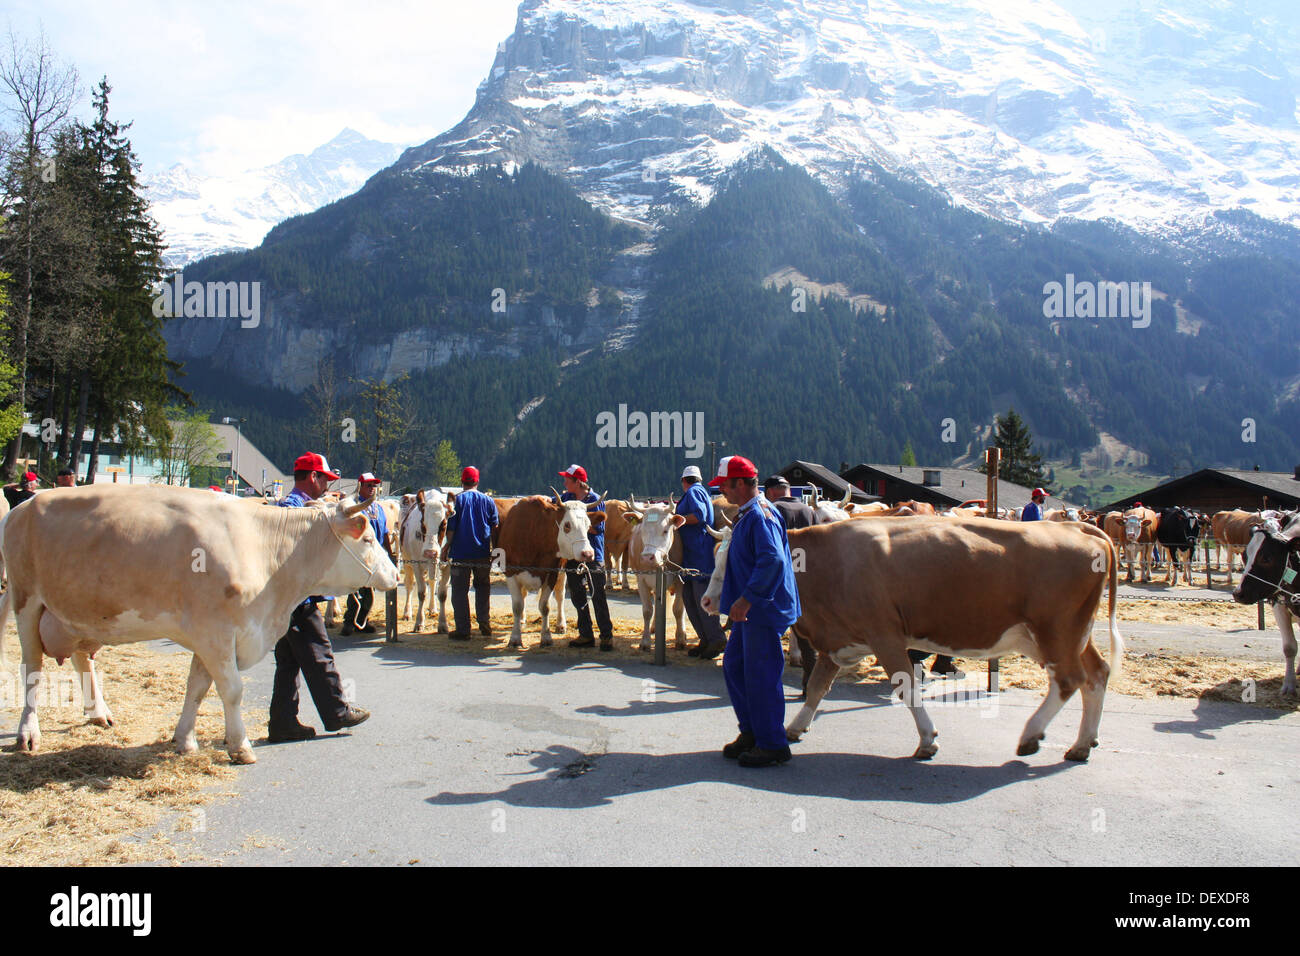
[(655, 525), (1269, 563), (1133, 525), (437, 509), (360, 561), (572, 527), (713, 593)]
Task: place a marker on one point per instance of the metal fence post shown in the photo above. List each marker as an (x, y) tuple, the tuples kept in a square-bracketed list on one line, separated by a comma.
[(661, 617)]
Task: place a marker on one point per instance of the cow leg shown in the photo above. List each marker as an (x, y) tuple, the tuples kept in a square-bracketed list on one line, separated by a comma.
[(408, 582), (1282, 617), (1064, 679), (1147, 575), (231, 688), (29, 635), (420, 592), (794, 656), (646, 590), (823, 676), (1097, 672), (1130, 555), (679, 608), (196, 688), (517, 595), (92, 692), (561, 624), (544, 609), (903, 674), (444, 577)]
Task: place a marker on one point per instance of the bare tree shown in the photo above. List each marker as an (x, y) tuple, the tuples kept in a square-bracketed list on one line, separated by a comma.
[(322, 398), (39, 92)]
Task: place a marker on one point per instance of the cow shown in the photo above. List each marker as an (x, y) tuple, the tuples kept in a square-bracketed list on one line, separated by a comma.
[(975, 588), (655, 543), (1062, 514), (1269, 573), (618, 533), (423, 533), (1232, 531), (1139, 530), (1178, 531), (537, 535), (504, 505), (828, 511), (724, 511), (113, 564)]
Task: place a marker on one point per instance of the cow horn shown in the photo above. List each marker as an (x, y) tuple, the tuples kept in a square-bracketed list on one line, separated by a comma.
[(723, 519), (672, 500), (716, 535), (351, 510), (848, 496), (554, 492), (603, 496)]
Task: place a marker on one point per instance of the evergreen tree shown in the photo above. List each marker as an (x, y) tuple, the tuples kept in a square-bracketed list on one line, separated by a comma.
[(446, 465), (1019, 464), (909, 457)]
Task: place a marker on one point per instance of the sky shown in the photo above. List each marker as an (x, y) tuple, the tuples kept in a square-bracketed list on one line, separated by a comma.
[(229, 85)]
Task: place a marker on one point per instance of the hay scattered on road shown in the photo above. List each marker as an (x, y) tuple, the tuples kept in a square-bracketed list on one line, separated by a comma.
[(1221, 614), (85, 796)]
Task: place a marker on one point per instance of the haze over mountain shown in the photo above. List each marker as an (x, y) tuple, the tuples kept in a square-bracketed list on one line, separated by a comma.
[(203, 216)]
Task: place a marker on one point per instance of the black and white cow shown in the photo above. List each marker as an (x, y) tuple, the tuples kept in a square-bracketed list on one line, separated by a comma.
[(1178, 531), (1272, 573)]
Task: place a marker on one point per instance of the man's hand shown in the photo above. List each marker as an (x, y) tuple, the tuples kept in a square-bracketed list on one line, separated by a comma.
[(739, 610)]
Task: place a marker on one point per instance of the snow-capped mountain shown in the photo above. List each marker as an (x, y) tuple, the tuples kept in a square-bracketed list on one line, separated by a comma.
[(1029, 110), (203, 216)]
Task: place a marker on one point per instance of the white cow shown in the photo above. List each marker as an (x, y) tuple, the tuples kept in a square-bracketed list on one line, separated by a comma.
[(113, 564), (423, 533), (654, 542)]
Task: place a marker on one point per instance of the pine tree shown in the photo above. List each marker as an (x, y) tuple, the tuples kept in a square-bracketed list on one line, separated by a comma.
[(909, 457), (1019, 464), (446, 465)]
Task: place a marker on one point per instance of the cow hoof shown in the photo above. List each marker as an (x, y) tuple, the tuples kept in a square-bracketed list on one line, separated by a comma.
[(1288, 691), (103, 720), (925, 751), (1078, 753), (243, 755), (1027, 747), (793, 735), (27, 745), (187, 746)]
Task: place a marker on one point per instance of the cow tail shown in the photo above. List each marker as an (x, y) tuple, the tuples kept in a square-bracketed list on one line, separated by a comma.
[(1116, 642), (4, 622)]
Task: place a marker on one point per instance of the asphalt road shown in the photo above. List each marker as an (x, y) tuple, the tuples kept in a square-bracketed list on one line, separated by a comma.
[(547, 758)]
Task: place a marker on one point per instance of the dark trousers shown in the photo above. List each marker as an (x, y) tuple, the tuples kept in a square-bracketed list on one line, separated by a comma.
[(752, 666), (358, 609), (460, 581), (306, 647), (708, 627), (577, 582)]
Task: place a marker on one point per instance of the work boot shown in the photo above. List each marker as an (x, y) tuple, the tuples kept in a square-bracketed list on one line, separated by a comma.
[(351, 717), (297, 731), (583, 642), (758, 757), (738, 746), (607, 643)]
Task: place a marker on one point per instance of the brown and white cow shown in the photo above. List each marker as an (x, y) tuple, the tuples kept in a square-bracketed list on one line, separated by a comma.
[(1232, 531), (504, 504), (537, 536), (655, 544), (1140, 528), (423, 532), (974, 588), (114, 564)]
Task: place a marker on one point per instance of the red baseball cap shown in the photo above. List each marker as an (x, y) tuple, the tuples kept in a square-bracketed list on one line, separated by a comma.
[(469, 476), (733, 466), (576, 472), (30, 476), (314, 462), (1039, 493), (368, 479), (215, 488)]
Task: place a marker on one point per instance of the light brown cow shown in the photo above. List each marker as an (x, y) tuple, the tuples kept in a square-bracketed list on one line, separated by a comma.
[(1139, 533), (1232, 531), (114, 564), (618, 533), (972, 588), (536, 536), (557, 593), (654, 541)]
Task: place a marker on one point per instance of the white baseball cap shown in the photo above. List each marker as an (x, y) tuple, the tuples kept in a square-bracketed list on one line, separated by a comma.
[(693, 471)]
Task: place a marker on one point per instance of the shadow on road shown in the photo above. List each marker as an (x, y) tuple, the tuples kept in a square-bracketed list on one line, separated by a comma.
[(1221, 706), (574, 780)]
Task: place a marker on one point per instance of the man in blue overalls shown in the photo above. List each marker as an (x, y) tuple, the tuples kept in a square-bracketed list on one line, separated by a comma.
[(696, 507), (759, 594), (305, 646), (469, 547)]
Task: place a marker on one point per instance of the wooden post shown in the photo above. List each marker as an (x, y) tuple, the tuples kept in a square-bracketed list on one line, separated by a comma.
[(1209, 581), (661, 617), (390, 615), (1260, 605), (992, 457)]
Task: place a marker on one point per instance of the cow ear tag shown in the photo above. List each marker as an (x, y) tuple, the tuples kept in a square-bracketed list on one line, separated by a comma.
[(1288, 575)]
